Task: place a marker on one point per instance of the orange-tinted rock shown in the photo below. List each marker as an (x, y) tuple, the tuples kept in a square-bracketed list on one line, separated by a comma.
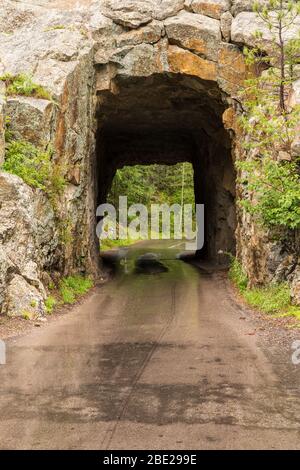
[(195, 32), (232, 69), (212, 8), (185, 62)]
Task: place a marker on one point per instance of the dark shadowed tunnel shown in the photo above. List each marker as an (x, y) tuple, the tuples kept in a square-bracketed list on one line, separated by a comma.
[(167, 119)]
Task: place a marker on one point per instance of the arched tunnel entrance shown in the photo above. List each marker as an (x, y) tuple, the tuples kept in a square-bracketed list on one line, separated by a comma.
[(167, 119)]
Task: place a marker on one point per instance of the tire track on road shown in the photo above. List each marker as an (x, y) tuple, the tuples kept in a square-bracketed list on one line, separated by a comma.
[(111, 433)]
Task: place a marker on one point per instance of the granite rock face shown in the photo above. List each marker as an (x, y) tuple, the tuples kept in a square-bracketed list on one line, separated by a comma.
[(2, 122), (29, 240), (245, 24), (127, 78), (211, 8)]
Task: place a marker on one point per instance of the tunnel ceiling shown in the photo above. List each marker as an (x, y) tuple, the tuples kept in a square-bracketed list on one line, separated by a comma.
[(157, 119)]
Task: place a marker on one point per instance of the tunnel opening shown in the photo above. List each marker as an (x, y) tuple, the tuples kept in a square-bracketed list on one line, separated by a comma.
[(166, 119), (154, 187)]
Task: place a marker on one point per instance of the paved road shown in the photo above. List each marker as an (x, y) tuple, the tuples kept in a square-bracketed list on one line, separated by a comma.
[(149, 361)]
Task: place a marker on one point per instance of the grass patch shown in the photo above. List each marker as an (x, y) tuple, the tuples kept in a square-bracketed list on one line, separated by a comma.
[(23, 85), (26, 316), (70, 289), (237, 274), (273, 299), (108, 244), (50, 304), (73, 287)]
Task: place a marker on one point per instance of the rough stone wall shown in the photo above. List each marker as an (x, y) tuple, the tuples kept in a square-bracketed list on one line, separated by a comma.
[(80, 53), (2, 122), (29, 241)]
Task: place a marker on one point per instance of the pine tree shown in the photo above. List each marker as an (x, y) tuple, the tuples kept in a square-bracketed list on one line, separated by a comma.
[(270, 174)]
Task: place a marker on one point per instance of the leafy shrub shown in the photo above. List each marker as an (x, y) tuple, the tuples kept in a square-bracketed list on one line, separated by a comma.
[(271, 184), (23, 84), (34, 166), (27, 161), (276, 186)]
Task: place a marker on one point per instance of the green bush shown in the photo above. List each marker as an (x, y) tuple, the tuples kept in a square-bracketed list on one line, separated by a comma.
[(30, 163), (23, 84), (270, 174), (34, 166), (276, 186)]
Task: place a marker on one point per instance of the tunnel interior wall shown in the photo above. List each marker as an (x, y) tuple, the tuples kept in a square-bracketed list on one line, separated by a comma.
[(167, 119)]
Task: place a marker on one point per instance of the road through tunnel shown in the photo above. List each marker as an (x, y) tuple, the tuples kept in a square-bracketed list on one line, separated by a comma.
[(168, 119)]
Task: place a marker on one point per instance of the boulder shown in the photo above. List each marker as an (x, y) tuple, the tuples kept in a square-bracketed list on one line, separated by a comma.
[(212, 8), (135, 13), (195, 32), (23, 299), (28, 240), (185, 62), (226, 22), (231, 68), (242, 5), (30, 119), (246, 24)]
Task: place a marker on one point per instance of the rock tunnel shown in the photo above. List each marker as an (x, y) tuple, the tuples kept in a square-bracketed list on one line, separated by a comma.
[(167, 119), (136, 82)]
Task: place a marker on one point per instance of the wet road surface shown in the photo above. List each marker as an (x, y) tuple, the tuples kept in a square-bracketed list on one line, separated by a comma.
[(149, 361)]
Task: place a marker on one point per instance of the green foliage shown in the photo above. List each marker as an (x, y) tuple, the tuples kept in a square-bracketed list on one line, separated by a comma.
[(275, 298), (8, 133), (34, 166), (270, 178), (67, 295), (27, 161), (276, 189), (73, 287), (154, 184), (278, 16), (23, 84), (237, 274), (108, 244), (26, 315), (50, 303), (271, 299)]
